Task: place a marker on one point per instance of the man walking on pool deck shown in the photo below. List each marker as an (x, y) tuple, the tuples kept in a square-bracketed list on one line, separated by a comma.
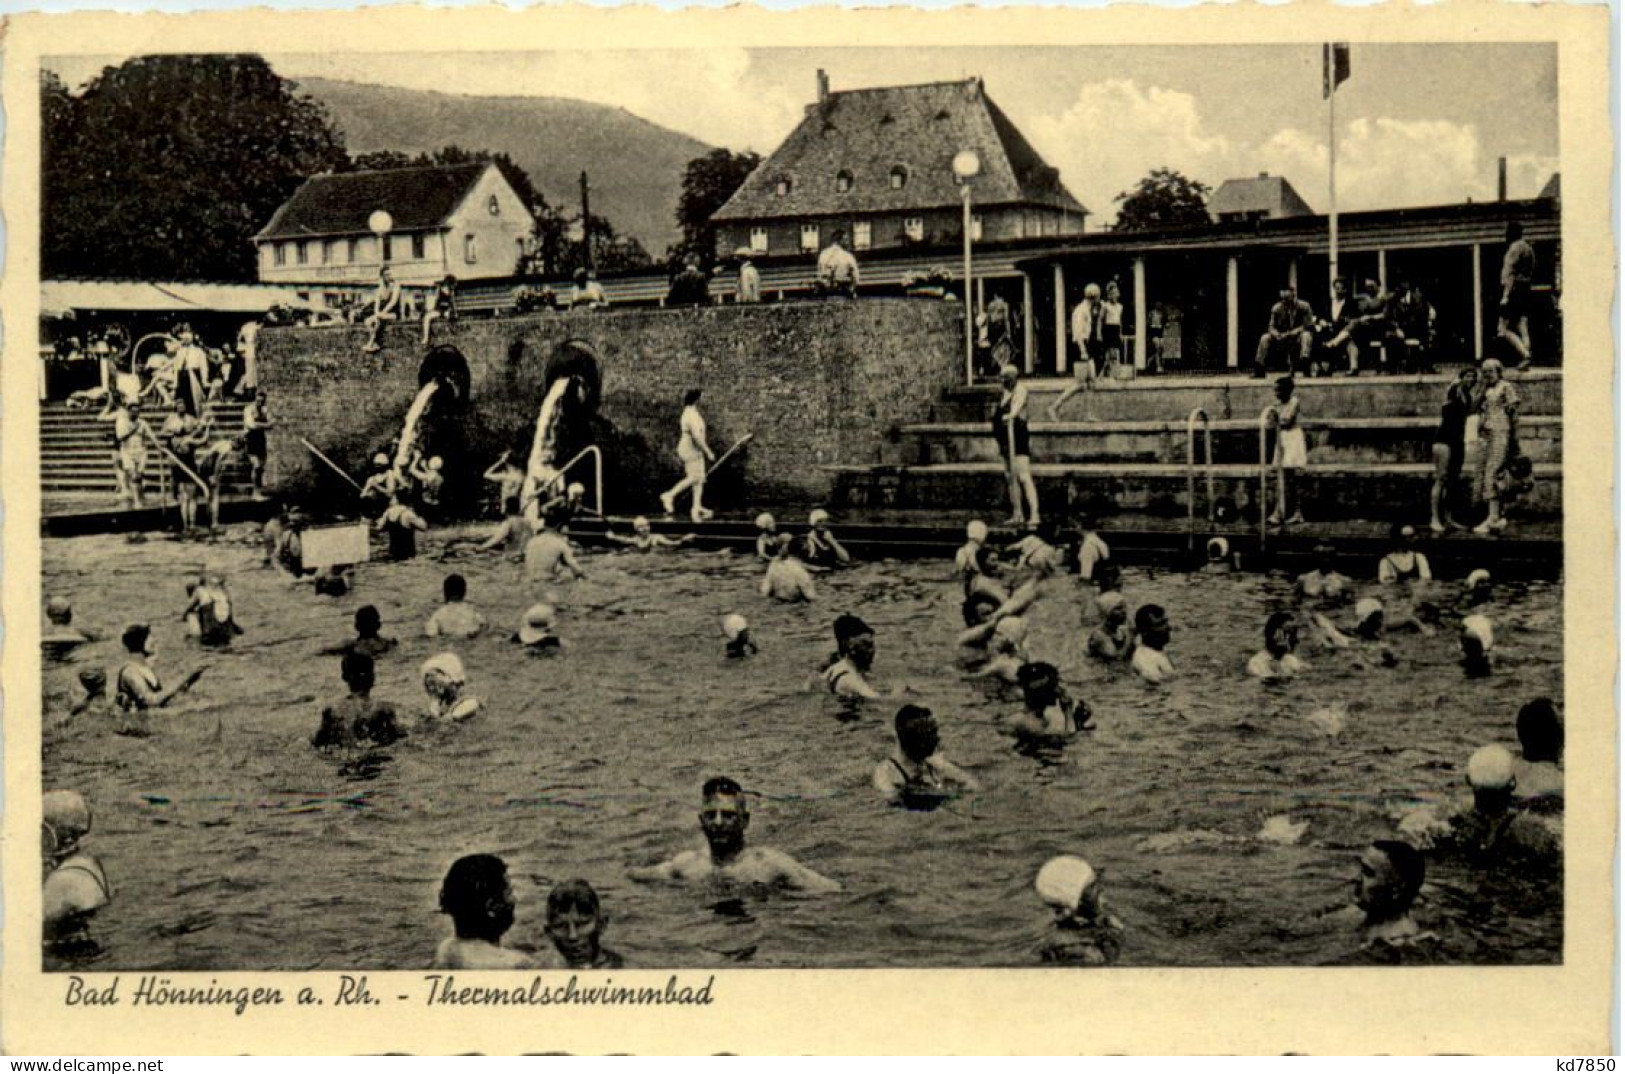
[(723, 819), (695, 453)]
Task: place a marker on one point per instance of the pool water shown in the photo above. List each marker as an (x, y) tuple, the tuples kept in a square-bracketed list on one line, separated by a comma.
[(233, 845)]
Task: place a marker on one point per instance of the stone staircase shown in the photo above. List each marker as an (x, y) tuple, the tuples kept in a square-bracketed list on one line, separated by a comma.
[(76, 456), (1370, 452)]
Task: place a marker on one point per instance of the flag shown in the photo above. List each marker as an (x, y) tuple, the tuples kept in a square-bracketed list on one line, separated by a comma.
[(1334, 67)]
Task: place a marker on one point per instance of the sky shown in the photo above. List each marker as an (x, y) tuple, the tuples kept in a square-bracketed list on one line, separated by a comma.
[(1417, 124)]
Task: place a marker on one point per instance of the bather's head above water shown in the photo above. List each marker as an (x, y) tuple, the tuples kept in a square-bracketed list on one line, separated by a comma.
[(917, 734), (855, 640), (724, 816), (478, 898), (1390, 876)]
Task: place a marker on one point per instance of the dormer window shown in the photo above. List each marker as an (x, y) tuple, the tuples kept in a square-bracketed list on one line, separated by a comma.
[(781, 188), (843, 182), (899, 177), (494, 207)]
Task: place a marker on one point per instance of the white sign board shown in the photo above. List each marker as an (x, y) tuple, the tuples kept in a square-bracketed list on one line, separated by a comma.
[(326, 546)]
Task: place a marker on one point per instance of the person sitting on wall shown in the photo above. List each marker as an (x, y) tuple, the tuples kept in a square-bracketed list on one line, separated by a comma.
[(837, 269), (1289, 333), (442, 305), (386, 306), (1413, 328), (690, 286), (750, 280), (1373, 326), (586, 292)]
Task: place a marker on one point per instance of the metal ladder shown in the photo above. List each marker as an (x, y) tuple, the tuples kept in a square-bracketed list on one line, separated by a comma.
[(1190, 473)]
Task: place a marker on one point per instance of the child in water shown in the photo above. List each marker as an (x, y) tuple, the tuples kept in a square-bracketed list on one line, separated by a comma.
[(478, 898), (1048, 713), (1277, 661), (1083, 932), (443, 682), (737, 631), (575, 924), (645, 540), (916, 775), (1112, 641), (368, 639), (1477, 642), (535, 631), (767, 537), (1153, 633)]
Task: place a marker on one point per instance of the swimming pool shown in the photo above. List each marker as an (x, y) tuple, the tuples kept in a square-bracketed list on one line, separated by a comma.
[(233, 845)]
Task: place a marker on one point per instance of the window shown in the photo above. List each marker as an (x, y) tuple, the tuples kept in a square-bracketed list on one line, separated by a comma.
[(758, 240), (327, 251), (976, 227), (899, 177), (782, 188), (914, 229), (471, 252), (809, 236), (352, 248), (280, 252), (843, 182), (494, 207), (388, 244), (417, 247), (862, 235), (301, 252)]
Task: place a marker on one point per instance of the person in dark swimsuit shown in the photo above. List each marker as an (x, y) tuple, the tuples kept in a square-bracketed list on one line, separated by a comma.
[(916, 775), (1449, 445), (76, 885), (1015, 445)]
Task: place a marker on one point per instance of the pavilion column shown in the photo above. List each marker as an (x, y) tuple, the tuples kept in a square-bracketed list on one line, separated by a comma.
[(1060, 319), (1029, 331), (1232, 312), (1292, 273), (1139, 312), (1382, 269), (1478, 304)]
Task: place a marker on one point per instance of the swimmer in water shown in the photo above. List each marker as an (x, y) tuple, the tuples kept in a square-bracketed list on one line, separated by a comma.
[(1404, 563), (443, 682), (356, 719), (380, 487), (1277, 661), (854, 655), (1152, 634), (1390, 876), (456, 618), (1490, 831), (479, 900), (787, 579), (767, 537), (138, 686), (96, 702), (1008, 651), (564, 509), (1324, 584), (1477, 643), (575, 924), (1083, 932), (511, 534), (1113, 640), (217, 622), (367, 640), (1539, 772), (1218, 557), (822, 548), (430, 478), (737, 631), (1092, 550), (507, 477), (1478, 589), (402, 525), (644, 539), (76, 885), (336, 581), (1049, 713), (61, 638), (916, 775), (978, 611), (724, 817), (535, 631), (549, 553), (975, 564), (1037, 562)]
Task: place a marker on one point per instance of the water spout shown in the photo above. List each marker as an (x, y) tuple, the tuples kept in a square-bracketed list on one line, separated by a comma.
[(409, 427), (541, 471)]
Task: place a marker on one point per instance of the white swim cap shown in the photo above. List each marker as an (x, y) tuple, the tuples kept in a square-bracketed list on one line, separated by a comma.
[(436, 463), (1218, 548), (1478, 577), (1012, 629), (976, 531), (534, 627), (640, 523), (1365, 609), (67, 815), (380, 459), (1063, 880), (449, 665), (1490, 768), (764, 521), (819, 515), (734, 625), (576, 489), (1480, 627), (1110, 600)]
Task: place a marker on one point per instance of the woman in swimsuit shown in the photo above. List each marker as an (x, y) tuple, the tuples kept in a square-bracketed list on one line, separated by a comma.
[(76, 885), (1449, 446), (1498, 426), (1010, 430), (139, 687)]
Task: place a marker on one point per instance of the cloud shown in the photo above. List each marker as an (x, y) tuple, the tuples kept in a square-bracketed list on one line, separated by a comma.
[(1116, 131)]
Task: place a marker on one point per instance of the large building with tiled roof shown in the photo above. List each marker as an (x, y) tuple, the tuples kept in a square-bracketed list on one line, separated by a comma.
[(463, 220), (1268, 197), (878, 165)]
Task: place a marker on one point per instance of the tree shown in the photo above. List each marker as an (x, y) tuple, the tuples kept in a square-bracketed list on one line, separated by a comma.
[(166, 166), (708, 182), (1165, 198)]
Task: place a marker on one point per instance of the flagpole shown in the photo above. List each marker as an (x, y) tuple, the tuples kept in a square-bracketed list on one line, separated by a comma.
[(1329, 70)]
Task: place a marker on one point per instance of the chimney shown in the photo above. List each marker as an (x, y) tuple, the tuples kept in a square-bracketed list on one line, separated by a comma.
[(1263, 175), (823, 86), (1501, 180)]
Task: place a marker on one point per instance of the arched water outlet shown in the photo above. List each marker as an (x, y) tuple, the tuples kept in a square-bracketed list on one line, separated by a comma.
[(570, 391), (443, 390)]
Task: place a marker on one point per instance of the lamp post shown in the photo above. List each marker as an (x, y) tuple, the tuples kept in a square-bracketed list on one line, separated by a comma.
[(967, 165), (381, 224)]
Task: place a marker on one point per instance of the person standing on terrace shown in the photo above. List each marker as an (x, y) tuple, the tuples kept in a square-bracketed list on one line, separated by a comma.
[(1010, 430), (1291, 450), (1517, 276), (695, 453), (1087, 322), (837, 268), (1498, 427), (750, 280)]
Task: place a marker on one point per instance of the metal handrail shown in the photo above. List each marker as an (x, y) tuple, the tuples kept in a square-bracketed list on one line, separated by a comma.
[(597, 475), (1190, 473), (1264, 474)]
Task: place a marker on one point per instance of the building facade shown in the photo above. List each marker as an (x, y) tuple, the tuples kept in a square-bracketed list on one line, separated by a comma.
[(877, 164), (462, 220)]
